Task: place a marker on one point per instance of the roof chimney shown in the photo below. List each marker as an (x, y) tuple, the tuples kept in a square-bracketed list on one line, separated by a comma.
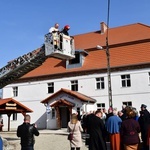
[(104, 27)]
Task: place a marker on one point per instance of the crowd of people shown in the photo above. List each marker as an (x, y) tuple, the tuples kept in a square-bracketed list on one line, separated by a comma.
[(124, 129)]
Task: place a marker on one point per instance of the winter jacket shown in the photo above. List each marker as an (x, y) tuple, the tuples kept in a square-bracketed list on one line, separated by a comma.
[(27, 131)]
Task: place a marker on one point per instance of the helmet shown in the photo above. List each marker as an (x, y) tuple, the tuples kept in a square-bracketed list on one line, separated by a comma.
[(66, 27)]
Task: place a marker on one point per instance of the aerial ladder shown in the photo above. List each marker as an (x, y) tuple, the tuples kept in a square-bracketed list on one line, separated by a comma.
[(20, 66)]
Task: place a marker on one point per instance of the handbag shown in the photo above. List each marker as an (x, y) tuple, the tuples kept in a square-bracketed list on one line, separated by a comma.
[(70, 135)]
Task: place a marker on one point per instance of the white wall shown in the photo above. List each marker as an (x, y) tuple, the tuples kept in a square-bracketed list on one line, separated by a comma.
[(31, 93)]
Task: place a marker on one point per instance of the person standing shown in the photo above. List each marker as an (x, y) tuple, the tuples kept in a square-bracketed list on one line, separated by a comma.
[(65, 30), (26, 132), (144, 121), (1, 124), (83, 120), (96, 130), (103, 115), (54, 31), (113, 125), (121, 115), (129, 131), (74, 126), (110, 113)]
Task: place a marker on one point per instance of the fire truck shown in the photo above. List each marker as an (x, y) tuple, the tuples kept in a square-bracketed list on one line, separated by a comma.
[(60, 48)]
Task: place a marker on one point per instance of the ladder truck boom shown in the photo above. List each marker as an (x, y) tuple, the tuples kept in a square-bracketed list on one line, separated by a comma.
[(20, 66)]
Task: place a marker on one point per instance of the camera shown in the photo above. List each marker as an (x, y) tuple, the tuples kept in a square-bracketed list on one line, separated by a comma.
[(33, 124)]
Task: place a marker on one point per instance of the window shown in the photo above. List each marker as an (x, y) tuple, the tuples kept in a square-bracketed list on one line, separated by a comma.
[(74, 85), (129, 103), (100, 83), (53, 113), (126, 81), (15, 116), (76, 60), (100, 106), (15, 91), (51, 87)]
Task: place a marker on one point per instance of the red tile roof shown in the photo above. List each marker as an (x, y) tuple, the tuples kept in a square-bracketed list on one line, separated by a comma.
[(123, 34), (129, 45), (76, 94), (20, 108)]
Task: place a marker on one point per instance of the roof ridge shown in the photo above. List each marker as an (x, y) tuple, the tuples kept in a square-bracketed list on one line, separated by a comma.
[(127, 25)]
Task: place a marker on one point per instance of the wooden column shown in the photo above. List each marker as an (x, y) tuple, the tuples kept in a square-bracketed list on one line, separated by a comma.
[(58, 118), (8, 121)]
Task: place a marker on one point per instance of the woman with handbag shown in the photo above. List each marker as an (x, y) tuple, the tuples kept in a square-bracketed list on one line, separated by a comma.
[(75, 129)]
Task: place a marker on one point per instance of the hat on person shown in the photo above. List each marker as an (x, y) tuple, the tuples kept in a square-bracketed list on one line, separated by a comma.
[(143, 106), (67, 27)]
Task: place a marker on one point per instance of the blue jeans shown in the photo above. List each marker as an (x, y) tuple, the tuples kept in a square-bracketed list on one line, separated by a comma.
[(27, 148)]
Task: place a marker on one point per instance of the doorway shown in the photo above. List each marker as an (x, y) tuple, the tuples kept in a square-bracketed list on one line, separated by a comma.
[(64, 116)]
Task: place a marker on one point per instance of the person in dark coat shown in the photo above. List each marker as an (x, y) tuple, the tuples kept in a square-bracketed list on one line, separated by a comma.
[(144, 121), (26, 132), (110, 113), (96, 130), (65, 30), (120, 114), (129, 131)]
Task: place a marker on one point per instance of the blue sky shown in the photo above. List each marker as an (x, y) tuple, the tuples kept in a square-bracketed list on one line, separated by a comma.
[(23, 23)]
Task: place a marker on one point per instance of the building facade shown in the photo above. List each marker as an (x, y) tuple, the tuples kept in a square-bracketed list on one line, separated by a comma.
[(58, 87)]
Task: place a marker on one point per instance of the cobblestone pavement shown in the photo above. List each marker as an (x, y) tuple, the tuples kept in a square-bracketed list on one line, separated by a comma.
[(47, 140)]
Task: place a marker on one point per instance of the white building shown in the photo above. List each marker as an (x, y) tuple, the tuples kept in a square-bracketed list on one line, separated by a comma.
[(80, 84)]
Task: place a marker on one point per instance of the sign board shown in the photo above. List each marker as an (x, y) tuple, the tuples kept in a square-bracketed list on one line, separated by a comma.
[(11, 106), (48, 109)]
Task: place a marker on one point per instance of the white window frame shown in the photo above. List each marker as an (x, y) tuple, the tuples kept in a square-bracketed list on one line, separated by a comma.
[(50, 87), (101, 106), (126, 80), (127, 103), (100, 83), (15, 91), (74, 85)]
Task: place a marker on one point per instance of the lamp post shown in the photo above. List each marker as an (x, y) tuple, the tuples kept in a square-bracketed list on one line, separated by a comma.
[(109, 74), (108, 71), (108, 61)]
